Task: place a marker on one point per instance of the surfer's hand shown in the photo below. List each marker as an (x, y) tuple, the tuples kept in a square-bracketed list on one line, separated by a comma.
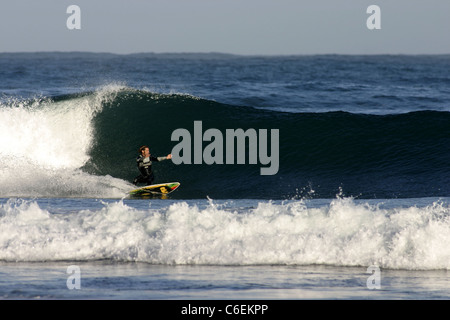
[(169, 156)]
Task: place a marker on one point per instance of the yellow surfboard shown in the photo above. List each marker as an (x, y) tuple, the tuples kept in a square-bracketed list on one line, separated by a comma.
[(155, 189)]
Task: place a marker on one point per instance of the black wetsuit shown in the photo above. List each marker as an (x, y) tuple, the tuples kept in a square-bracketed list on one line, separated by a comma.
[(145, 167)]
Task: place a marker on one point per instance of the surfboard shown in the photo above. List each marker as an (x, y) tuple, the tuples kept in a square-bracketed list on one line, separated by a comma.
[(161, 189)]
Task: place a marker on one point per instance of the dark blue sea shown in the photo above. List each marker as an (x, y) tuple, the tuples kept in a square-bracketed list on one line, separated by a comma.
[(358, 208)]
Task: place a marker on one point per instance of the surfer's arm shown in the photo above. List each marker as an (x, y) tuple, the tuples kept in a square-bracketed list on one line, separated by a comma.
[(169, 156)]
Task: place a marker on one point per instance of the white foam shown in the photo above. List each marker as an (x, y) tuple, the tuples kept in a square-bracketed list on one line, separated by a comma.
[(342, 233), (43, 145)]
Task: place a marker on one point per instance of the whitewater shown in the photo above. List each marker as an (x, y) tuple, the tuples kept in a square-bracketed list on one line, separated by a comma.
[(340, 232), (45, 143)]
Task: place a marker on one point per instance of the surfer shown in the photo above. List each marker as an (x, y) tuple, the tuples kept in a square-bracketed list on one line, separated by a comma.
[(144, 164)]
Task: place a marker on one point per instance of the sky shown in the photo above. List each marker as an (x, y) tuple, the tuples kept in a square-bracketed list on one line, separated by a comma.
[(248, 27)]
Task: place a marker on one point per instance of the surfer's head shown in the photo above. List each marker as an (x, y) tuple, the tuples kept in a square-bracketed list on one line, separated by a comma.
[(142, 150)]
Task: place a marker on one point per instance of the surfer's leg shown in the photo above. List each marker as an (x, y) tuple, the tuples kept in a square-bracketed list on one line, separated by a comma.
[(138, 179), (149, 179)]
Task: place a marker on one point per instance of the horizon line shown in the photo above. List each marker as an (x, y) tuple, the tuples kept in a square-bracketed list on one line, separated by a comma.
[(211, 53)]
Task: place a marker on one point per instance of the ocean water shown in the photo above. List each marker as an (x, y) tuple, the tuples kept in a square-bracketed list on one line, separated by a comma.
[(359, 207)]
